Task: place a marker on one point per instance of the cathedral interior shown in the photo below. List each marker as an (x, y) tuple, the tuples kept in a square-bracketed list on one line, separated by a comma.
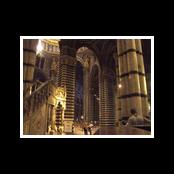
[(74, 85)]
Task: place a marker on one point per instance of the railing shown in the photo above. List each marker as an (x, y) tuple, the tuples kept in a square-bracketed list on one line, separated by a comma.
[(33, 101), (40, 107)]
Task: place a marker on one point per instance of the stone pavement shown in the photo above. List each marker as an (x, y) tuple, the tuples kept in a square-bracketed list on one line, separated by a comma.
[(121, 131)]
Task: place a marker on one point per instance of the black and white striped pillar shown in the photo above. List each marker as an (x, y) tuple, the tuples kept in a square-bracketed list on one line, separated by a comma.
[(123, 86), (142, 78), (130, 93), (67, 79), (107, 97)]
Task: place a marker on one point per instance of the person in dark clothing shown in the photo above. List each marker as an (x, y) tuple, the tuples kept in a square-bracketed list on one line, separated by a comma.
[(135, 119), (90, 128), (85, 131)]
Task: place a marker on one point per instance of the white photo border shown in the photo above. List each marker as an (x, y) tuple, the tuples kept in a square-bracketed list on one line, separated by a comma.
[(87, 136)]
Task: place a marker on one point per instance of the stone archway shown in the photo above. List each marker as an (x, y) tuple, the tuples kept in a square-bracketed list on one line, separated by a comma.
[(87, 59)]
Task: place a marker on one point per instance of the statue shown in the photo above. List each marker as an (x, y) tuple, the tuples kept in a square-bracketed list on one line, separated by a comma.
[(59, 118), (49, 129)]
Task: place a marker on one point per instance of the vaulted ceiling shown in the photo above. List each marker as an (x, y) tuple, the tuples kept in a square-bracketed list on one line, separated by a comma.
[(104, 49), (99, 46)]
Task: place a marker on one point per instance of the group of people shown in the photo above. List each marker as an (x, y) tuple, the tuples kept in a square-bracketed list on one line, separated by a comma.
[(88, 129), (134, 120), (83, 125)]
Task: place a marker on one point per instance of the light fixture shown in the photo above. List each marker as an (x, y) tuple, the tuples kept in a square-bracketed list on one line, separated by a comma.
[(149, 106), (98, 98), (119, 86), (39, 47), (30, 90)]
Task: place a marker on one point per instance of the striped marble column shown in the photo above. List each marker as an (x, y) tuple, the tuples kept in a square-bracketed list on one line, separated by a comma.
[(85, 93), (58, 71), (29, 59), (133, 77), (67, 79), (117, 95), (93, 99), (142, 78), (91, 105), (107, 117), (101, 97), (129, 74), (123, 88)]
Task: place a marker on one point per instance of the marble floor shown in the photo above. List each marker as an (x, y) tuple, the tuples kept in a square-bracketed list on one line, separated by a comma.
[(121, 131)]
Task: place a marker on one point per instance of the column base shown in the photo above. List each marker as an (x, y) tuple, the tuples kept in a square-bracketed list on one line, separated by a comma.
[(68, 125)]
